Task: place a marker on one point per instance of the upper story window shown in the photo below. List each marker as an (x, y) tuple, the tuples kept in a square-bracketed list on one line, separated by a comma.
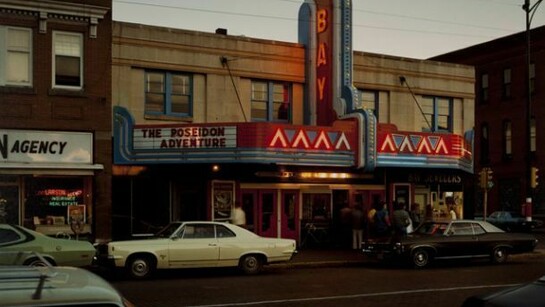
[(506, 89), (507, 139), (271, 101), (437, 114), (484, 88), (485, 144), (15, 56), (370, 101), (169, 93), (67, 60)]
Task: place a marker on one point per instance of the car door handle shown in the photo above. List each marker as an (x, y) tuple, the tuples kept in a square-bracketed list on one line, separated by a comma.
[(212, 244)]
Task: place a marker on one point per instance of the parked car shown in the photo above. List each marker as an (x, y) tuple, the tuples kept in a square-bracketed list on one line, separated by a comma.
[(62, 252), (196, 245), (451, 240), (527, 295), (513, 221), (56, 286)]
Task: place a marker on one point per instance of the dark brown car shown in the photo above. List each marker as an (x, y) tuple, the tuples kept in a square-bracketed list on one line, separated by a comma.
[(458, 239)]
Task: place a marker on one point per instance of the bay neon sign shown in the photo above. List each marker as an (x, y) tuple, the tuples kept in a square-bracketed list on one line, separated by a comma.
[(324, 32)]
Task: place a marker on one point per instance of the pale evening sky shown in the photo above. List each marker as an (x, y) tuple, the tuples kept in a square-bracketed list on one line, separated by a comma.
[(407, 28)]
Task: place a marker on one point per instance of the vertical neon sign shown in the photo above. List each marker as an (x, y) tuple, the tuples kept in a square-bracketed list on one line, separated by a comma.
[(324, 57)]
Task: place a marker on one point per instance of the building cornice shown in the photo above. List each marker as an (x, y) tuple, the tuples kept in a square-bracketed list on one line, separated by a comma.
[(46, 9)]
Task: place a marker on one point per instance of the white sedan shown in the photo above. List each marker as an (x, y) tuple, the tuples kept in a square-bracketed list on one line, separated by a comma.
[(196, 245)]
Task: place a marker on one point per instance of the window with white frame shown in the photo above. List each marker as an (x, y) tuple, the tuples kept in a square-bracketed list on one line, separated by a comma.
[(67, 60), (168, 93), (271, 101), (437, 114), (15, 56)]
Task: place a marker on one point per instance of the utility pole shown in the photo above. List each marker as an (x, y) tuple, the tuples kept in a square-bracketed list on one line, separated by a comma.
[(530, 11)]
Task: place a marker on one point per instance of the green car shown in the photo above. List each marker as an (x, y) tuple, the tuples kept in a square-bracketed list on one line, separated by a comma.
[(14, 240), (56, 286)]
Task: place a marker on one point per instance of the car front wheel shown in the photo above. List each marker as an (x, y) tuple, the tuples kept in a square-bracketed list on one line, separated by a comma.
[(251, 264), (499, 255), (37, 262), (141, 266), (421, 258)]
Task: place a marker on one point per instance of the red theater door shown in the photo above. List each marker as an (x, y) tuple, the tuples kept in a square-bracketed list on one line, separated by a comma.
[(289, 214), (263, 218)]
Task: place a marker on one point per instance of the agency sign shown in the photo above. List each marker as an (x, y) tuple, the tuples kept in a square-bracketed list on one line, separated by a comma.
[(27, 146)]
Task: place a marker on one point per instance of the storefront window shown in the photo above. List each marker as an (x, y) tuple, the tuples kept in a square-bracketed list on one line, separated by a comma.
[(55, 202), (316, 207), (9, 200)]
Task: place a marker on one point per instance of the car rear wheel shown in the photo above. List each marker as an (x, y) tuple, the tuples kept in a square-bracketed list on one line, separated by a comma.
[(141, 266), (499, 255), (420, 258), (251, 264)]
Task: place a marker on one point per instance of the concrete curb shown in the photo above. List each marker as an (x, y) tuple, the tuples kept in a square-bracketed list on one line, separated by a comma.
[(537, 254)]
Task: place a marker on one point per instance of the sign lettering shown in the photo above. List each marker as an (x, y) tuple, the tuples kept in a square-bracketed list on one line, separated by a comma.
[(185, 137)]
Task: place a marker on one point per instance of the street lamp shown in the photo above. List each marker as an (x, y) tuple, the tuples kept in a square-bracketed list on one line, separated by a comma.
[(530, 11)]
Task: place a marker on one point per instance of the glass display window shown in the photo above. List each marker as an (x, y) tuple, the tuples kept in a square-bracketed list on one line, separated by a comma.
[(52, 203)]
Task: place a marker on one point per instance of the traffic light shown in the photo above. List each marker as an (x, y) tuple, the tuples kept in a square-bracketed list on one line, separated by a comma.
[(483, 179), (489, 178), (534, 177)]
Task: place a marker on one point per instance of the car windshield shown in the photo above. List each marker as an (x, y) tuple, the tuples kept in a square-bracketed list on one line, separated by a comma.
[(168, 230), (432, 228)]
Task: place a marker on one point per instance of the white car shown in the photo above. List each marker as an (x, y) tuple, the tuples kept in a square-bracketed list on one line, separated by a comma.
[(196, 245)]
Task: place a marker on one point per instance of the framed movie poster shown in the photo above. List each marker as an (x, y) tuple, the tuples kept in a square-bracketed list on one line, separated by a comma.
[(223, 199)]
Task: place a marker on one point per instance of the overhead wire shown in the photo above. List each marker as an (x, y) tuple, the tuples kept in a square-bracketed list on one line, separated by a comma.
[(294, 19)]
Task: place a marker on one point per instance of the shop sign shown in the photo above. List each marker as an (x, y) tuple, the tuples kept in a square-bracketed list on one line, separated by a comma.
[(324, 62), (195, 137), (435, 179), (26, 146), (423, 144)]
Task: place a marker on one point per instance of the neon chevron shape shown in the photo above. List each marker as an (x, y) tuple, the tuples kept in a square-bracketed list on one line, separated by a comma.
[(388, 144), (406, 145), (441, 147), (278, 137), (301, 137), (322, 139), (424, 146), (342, 140)]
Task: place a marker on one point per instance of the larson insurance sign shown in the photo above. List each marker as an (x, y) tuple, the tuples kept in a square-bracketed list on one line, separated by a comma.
[(29, 146)]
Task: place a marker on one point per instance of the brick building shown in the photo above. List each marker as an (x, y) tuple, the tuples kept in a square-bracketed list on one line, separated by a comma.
[(501, 119), (55, 106)]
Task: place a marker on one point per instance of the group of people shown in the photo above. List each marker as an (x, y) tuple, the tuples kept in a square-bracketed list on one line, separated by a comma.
[(378, 222)]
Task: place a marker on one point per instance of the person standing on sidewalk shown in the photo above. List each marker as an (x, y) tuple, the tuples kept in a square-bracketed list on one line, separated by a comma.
[(238, 216), (401, 220), (358, 224), (382, 220)]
